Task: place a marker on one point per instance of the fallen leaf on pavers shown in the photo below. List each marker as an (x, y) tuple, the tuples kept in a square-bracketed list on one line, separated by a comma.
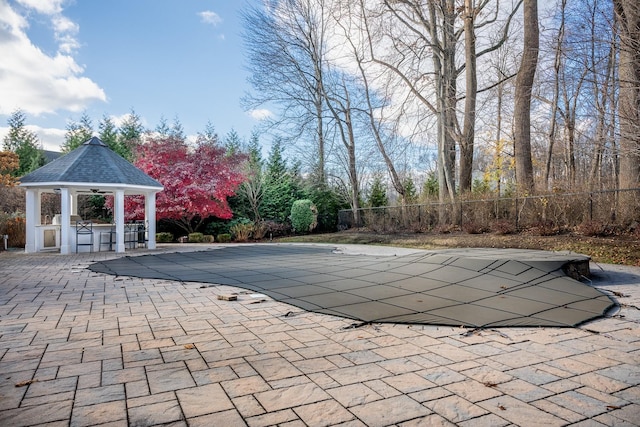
[(228, 297), (502, 408), (189, 346), (612, 407), (489, 384), (619, 294), (25, 383)]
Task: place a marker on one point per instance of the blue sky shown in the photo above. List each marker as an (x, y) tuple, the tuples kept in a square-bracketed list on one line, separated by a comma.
[(171, 58)]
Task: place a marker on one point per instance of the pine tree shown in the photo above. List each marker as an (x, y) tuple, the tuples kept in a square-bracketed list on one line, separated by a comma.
[(410, 192), (177, 131), (281, 188), (209, 135), (232, 142), (378, 194), (77, 133), (130, 135), (162, 128), (24, 143), (251, 192), (276, 164), (108, 133)]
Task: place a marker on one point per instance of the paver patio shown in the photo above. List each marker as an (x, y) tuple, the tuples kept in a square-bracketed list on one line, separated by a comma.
[(80, 348)]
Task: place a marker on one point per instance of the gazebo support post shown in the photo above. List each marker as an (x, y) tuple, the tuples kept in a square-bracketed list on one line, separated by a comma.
[(65, 221), (150, 218), (118, 206), (73, 209), (32, 213)]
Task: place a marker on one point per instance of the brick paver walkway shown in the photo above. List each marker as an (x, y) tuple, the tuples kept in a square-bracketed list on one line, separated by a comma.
[(79, 348)]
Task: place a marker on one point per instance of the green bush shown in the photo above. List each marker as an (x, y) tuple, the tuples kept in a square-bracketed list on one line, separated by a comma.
[(208, 238), (164, 237), (196, 237), (304, 216), (224, 238)]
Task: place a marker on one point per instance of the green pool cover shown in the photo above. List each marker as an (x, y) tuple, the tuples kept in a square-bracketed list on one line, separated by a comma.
[(457, 287)]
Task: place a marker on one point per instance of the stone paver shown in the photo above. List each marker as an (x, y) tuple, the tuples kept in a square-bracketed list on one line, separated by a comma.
[(79, 348)]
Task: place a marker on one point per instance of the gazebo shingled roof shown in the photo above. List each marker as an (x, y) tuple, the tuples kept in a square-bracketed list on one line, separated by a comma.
[(92, 162)]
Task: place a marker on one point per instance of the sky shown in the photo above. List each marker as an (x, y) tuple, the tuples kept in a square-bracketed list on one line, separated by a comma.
[(162, 58)]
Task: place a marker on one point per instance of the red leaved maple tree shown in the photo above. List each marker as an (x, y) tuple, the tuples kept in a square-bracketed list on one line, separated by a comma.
[(197, 181)]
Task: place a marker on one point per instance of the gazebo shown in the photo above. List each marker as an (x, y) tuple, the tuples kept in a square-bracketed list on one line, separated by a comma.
[(92, 168)]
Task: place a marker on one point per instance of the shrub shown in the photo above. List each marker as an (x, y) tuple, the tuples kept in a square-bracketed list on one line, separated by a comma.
[(444, 228), (594, 229), (217, 226), (276, 229), (208, 238), (15, 227), (260, 229), (545, 228), (304, 216), (224, 238), (473, 227), (164, 237), (196, 237), (242, 231), (503, 227)]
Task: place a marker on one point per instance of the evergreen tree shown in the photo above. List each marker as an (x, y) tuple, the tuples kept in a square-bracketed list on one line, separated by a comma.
[(209, 135), (430, 187), (276, 164), (410, 192), (78, 132), (328, 202), (163, 129), (130, 135), (250, 193), (177, 131), (280, 187), (24, 143), (378, 194), (108, 133), (232, 142)]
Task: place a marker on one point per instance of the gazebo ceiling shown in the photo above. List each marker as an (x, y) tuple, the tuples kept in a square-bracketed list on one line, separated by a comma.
[(93, 168)]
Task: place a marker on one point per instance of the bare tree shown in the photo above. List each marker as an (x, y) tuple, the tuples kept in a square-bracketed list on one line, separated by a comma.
[(522, 107), (417, 41), (286, 44), (339, 104), (627, 13), (557, 63)]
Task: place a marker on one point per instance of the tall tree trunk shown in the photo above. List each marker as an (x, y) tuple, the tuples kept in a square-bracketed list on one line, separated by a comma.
[(499, 144), (556, 95), (341, 109), (628, 19), (522, 108), (471, 80), (444, 66), (602, 97)]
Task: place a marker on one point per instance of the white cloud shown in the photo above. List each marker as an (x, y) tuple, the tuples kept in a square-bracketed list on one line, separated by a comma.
[(65, 33), (36, 82), (210, 17), (260, 114), (47, 7)]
